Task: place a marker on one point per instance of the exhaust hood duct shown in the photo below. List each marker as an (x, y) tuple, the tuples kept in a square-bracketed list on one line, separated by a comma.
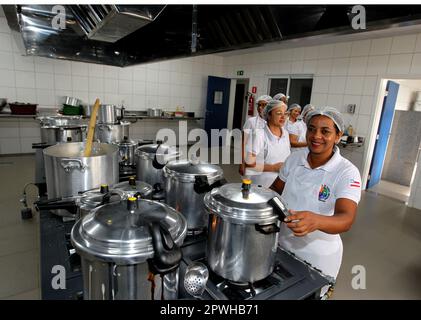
[(110, 23)]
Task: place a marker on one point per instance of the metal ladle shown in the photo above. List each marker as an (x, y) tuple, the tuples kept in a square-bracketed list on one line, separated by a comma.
[(195, 279)]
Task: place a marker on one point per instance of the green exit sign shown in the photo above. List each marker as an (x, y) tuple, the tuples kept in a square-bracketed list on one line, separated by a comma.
[(240, 73)]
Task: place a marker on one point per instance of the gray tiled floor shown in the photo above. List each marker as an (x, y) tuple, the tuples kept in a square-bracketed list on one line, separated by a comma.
[(385, 239)]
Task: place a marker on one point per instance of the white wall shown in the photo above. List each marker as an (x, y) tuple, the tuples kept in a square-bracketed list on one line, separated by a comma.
[(168, 84), (407, 93)]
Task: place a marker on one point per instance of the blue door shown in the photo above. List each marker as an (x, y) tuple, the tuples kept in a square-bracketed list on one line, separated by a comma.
[(383, 133), (217, 105)]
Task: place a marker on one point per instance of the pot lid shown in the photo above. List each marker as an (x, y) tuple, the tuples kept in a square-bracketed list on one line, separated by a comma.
[(134, 188), (233, 202), (187, 170), (129, 143), (162, 152), (119, 232), (101, 195)]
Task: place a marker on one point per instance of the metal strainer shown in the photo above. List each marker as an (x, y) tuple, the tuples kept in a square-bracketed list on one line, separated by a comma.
[(195, 279)]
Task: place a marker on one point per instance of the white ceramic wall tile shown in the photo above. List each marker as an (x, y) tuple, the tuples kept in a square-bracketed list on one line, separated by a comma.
[(92, 96), (367, 105), (403, 44), (45, 97), (321, 85), (337, 85), (29, 129), (7, 78), (360, 48), (110, 85), (357, 66), (62, 67), (152, 88), (311, 53), (381, 46), (163, 77), (350, 99), (96, 84), (363, 125), (60, 94), (9, 145), (23, 63), (342, 49), (326, 51), (139, 102), (334, 100), (418, 43), (26, 95), (297, 67), (125, 73), (26, 144), (340, 66), (83, 95), (6, 42), (297, 54), (44, 65), (286, 55), (6, 61), (324, 67), (79, 69), (111, 72), (285, 67), (377, 65), (416, 64), (112, 98), (25, 79), (95, 70), (399, 64), (310, 66), (139, 87), (9, 129), (80, 83), (354, 85), (8, 92), (125, 87), (369, 86), (44, 81)]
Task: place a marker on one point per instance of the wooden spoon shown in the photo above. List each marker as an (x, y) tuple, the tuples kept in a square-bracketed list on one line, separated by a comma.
[(91, 130)]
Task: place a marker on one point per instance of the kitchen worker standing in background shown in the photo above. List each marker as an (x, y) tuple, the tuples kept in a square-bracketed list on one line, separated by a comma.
[(296, 128), (268, 148), (251, 124), (281, 97), (322, 190)]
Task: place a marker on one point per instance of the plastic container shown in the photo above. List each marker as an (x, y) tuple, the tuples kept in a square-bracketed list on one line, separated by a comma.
[(23, 108)]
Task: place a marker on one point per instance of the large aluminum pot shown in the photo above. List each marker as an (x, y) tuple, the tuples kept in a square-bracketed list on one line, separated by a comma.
[(107, 114), (151, 159), (112, 133), (69, 172), (186, 183), (127, 150), (121, 244), (242, 232), (58, 134)]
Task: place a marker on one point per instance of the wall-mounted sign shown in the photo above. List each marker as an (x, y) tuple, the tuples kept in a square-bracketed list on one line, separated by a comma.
[(253, 89), (217, 97), (240, 72)]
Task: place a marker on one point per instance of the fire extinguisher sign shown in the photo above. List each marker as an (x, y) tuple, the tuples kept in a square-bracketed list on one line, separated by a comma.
[(253, 89)]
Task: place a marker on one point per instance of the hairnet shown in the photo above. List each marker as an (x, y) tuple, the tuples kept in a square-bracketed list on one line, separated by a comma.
[(307, 108), (279, 96), (294, 106), (272, 104), (329, 112), (265, 97)]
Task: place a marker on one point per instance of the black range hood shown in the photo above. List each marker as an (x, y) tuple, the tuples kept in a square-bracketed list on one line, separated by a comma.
[(124, 35)]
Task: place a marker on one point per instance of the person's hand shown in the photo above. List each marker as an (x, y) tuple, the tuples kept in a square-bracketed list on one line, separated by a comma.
[(242, 169), (277, 166), (302, 222)]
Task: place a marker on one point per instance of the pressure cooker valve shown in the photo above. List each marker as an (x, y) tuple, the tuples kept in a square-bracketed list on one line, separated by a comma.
[(245, 188), (104, 188), (132, 181), (131, 204)]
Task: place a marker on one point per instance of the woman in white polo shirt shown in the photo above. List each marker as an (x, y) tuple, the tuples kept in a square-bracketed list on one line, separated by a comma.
[(322, 190), (268, 148), (296, 128)]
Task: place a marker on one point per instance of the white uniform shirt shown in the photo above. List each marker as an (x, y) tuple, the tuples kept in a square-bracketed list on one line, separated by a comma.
[(254, 123), (269, 149), (298, 128), (317, 190)]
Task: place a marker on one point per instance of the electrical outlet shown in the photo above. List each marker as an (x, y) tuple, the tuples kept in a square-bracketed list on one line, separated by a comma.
[(351, 108)]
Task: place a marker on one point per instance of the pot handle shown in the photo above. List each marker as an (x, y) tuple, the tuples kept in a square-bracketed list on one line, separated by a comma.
[(201, 184), (267, 228), (71, 164), (279, 207), (167, 255)]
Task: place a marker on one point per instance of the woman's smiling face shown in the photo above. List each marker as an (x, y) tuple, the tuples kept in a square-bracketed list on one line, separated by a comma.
[(322, 135)]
